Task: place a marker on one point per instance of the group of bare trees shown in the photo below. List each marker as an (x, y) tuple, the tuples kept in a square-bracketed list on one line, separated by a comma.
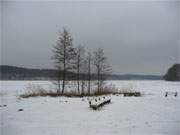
[(85, 66)]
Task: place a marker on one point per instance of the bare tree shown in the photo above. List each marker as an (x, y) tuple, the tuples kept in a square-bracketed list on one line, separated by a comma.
[(89, 62), (83, 76), (102, 68), (79, 61), (63, 56)]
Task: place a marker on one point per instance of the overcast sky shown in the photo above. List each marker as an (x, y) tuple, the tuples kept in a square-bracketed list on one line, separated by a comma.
[(138, 37)]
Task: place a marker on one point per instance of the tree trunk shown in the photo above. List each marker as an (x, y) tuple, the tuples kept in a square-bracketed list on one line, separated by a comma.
[(98, 82), (89, 77), (64, 71), (63, 85), (82, 88), (89, 85), (59, 85), (78, 81)]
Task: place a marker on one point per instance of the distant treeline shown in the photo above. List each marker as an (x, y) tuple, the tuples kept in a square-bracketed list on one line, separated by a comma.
[(173, 73), (19, 73)]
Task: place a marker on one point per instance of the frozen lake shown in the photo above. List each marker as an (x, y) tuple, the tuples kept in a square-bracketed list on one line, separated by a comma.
[(151, 114)]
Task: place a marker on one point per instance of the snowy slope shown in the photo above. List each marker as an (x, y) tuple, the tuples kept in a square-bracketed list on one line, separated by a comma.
[(152, 114)]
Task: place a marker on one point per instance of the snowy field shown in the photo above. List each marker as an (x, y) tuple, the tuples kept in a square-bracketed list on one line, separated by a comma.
[(151, 114)]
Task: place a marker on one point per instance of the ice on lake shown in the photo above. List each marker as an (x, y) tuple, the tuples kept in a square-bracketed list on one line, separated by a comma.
[(151, 114)]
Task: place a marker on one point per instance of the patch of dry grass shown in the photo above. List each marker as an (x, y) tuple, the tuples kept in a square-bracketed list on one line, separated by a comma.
[(35, 91)]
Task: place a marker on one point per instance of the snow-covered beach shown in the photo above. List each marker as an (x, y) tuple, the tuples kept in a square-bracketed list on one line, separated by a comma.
[(151, 114)]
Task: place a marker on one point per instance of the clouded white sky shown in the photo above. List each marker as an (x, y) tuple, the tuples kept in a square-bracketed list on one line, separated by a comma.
[(140, 37)]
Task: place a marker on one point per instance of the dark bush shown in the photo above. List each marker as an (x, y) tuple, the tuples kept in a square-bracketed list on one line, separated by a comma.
[(129, 94)]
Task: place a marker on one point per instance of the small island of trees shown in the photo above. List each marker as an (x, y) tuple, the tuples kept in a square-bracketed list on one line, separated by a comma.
[(87, 67)]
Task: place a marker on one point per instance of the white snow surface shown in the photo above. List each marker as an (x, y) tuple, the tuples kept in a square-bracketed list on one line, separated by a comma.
[(151, 114)]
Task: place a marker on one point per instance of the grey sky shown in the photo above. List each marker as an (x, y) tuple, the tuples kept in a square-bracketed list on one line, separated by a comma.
[(137, 36)]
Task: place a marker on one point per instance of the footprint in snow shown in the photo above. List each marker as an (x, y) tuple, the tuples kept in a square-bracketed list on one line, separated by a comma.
[(20, 110), (147, 123)]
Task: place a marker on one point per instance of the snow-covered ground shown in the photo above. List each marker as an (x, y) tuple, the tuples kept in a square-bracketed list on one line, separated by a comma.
[(151, 114)]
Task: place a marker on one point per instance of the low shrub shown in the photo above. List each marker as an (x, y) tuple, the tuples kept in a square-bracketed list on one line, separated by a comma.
[(129, 94)]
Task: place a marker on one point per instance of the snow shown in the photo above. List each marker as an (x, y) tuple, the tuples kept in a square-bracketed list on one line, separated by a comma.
[(151, 114)]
